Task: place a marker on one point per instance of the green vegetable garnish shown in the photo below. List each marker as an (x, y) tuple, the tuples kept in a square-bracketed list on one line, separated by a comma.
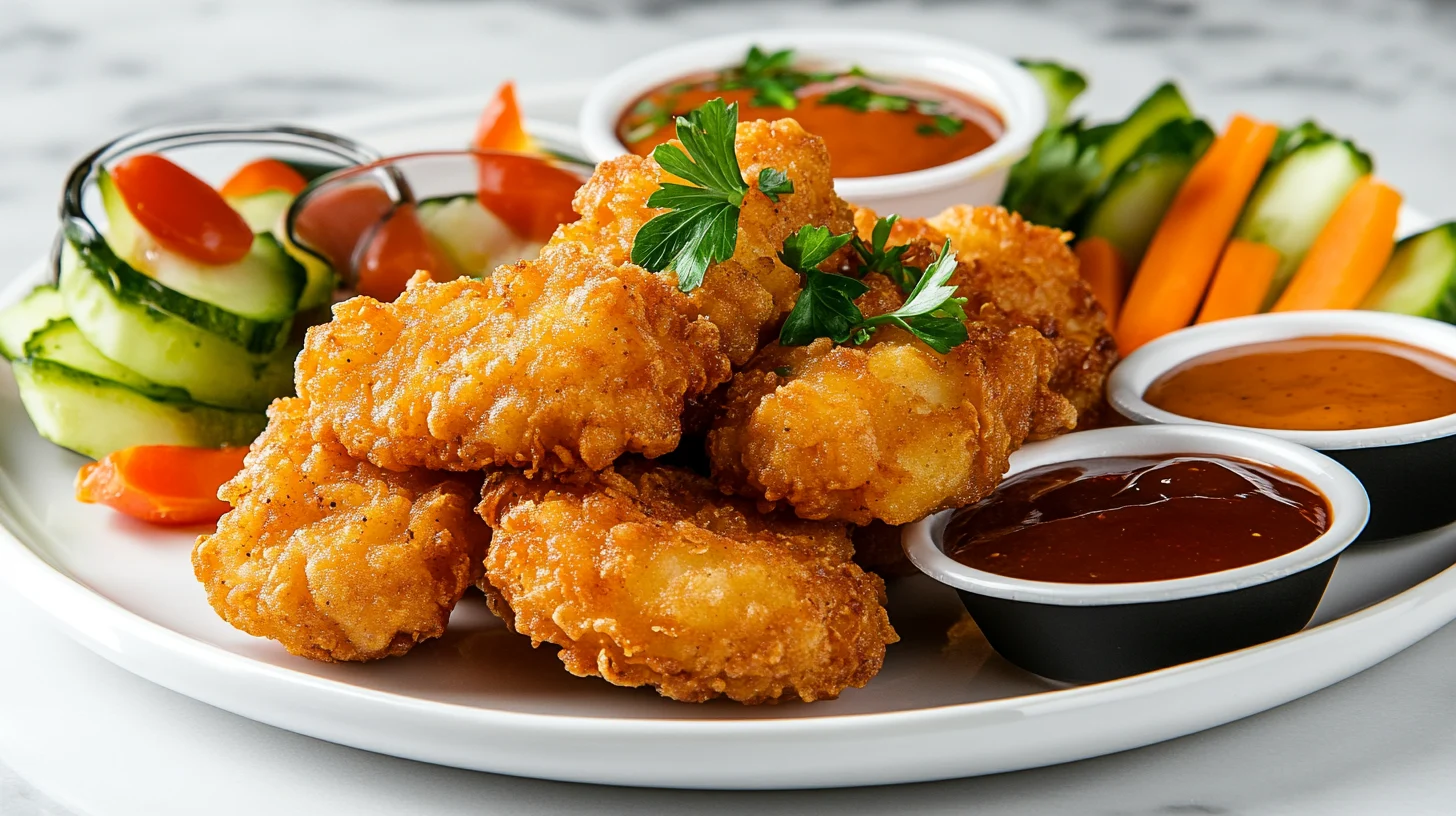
[(1058, 175), (863, 100), (826, 305), (771, 76), (701, 225), (887, 260)]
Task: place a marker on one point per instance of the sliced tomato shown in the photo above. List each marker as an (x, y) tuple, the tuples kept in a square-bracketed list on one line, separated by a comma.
[(530, 194), (398, 248), (334, 220), (162, 484), (500, 126), (261, 176), (181, 211)]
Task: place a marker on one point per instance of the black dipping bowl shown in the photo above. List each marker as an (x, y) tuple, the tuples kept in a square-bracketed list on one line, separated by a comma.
[(1408, 470), (1087, 633)]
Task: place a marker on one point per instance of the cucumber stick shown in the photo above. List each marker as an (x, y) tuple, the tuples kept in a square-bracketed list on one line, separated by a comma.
[(1118, 143), (1059, 84), (1129, 210), (95, 416), (130, 328), (475, 240), (61, 342), (25, 318), (267, 212), (1420, 278), (1296, 196)]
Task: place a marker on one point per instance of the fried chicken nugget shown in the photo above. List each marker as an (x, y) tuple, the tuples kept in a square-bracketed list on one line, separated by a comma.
[(891, 430), (1031, 275), (560, 364), (335, 558), (649, 576), (745, 297)]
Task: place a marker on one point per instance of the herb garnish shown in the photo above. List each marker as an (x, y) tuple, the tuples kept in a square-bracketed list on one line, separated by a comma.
[(886, 260), (942, 125), (771, 76), (862, 99), (826, 307), (700, 226)]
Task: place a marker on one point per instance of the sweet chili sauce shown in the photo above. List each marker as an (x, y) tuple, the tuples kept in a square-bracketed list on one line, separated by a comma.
[(1333, 383), (1131, 519), (878, 127)]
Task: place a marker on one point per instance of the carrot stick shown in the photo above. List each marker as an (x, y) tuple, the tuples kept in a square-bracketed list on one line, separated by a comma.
[(500, 127), (1241, 282), (1105, 273), (1185, 249), (161, 484), (1349, 253)]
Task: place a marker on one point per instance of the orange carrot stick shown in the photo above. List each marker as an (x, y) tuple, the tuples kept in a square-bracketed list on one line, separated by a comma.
[(1241, 282), (1349, 253), (1185, 249), (161, 484), (1105, 273)]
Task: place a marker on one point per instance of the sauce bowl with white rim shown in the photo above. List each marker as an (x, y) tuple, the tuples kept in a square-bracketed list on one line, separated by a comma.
[(1086, 633), (994, 80), (1407, 469)]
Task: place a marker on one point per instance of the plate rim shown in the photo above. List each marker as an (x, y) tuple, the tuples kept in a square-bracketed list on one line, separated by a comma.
[(107, 628)]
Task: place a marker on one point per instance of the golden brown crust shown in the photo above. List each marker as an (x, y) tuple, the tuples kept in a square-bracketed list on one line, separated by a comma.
[(560, 364), (649, 576), (745, 297), (335, 558)]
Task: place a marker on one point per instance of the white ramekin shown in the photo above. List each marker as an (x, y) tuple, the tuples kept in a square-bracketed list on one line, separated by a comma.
[(995, 80)]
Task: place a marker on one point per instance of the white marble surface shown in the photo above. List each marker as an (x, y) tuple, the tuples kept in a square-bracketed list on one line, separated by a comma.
[(79, 736)]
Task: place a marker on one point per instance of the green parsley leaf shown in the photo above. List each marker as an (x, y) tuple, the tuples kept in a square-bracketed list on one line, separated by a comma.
[(863, 100), (942, 125), (700, 227), (825, 308), (886, 261), (774, 182), (811, 246), (771, 76)]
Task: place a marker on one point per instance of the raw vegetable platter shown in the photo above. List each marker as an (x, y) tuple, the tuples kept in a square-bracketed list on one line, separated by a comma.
[(479, 698)]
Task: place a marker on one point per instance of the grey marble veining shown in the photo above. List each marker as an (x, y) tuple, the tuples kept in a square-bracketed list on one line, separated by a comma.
[(76, 72)]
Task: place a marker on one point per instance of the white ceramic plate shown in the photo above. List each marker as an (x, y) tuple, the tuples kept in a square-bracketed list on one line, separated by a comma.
[(482, 698)]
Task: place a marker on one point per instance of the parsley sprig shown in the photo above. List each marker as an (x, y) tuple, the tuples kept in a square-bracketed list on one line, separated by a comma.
[(863, 99), (888, 261), (700, 226), (772, 77), (826, 306)]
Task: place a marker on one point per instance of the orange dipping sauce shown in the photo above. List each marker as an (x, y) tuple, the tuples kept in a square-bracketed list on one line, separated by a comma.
[(1335, 383), (873, 126)]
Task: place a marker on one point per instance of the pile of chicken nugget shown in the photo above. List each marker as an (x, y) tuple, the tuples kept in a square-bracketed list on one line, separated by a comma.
[(512, 434)]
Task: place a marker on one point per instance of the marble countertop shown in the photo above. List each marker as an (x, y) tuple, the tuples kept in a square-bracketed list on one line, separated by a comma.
[(80, 736)]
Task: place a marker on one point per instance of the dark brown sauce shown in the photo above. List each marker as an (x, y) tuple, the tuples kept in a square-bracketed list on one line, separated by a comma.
[(873, 142), (1130, 519), (1334, 383)]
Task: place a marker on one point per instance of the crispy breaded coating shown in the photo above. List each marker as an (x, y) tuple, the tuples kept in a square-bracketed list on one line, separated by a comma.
[(891, 430), (747, 296), (1031, 275), (335, 558), (560, 364), (649, 576)]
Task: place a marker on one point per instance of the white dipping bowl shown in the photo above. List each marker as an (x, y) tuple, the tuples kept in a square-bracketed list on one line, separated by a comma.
[(994, 80)]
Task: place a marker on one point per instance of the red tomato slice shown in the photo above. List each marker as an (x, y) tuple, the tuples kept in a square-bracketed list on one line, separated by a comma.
[(398, 248), (333, 221), (162, 484), (500, 125), (181, 211), (262, 176), (532, 196)]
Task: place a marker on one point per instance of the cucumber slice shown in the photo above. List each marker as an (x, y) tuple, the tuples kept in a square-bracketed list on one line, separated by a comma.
[(1056, 177), (1128, 212), (263, 287), (95, 416), (472, 236), (61, 342), (129, 328), (127, 284), (30, 315), (1059, 84), (1296, 197), (1420, 278), (263, 211), (1116, 144)]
